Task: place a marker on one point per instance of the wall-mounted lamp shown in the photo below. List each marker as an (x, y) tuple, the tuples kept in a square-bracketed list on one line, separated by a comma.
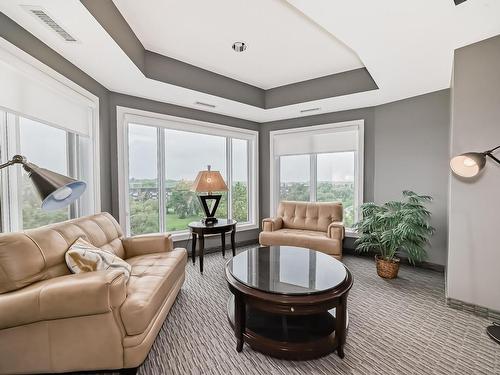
[(55, 190), (469, 165)]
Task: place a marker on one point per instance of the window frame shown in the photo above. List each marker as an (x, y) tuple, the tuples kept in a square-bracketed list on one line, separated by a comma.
[(274, 163), (11, 215), (125, 116)]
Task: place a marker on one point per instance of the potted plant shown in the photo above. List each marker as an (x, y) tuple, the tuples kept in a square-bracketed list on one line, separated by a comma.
[(393, 228)]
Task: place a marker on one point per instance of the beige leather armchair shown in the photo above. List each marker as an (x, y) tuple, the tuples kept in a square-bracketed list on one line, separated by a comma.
[(55, 321), (312, 225)]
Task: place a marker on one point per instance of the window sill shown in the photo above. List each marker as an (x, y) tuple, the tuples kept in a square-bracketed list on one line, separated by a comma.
[(351, 234), (185, 234)]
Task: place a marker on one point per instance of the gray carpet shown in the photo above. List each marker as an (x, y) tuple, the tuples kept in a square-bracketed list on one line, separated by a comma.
[(396, 327)]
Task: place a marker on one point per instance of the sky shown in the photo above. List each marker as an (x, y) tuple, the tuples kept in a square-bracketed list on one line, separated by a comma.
[(186, 154)]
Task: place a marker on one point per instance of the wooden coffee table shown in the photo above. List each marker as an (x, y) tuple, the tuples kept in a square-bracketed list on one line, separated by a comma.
[(288, 302)]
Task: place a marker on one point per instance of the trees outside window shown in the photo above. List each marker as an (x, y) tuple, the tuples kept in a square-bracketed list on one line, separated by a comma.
[(163, 164)]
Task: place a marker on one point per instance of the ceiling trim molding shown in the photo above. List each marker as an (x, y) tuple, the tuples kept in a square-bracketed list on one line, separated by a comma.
[(172, 71)]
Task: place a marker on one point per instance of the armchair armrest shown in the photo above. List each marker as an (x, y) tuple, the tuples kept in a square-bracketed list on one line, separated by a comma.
[(62, 297), (336, 230), (147, 244), (271, 224)]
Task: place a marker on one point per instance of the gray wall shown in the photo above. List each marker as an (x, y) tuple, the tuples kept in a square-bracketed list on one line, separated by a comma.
[(406, 147), (411, 153), (474, 253)]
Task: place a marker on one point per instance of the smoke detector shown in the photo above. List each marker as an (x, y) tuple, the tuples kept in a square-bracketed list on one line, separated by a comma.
[(42, 15)]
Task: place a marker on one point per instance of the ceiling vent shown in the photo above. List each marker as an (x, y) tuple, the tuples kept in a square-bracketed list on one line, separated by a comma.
[(205, 104), (48, 21), (310, 110)]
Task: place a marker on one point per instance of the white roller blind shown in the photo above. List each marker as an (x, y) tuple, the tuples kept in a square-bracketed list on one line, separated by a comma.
[(32, 93), (315, 142)]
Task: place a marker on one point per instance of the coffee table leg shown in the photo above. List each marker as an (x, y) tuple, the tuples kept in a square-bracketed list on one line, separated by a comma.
[(202, 250), (239, 321), (193, 248), (340, 326), (233, 234), (223, 242)]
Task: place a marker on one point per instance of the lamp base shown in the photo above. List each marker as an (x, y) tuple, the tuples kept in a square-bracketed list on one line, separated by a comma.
[(209, 220)]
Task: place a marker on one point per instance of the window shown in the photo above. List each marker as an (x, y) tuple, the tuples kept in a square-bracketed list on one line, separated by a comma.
[(161, 159), (320, 164), (49, 147), (295, 178), (54, 124)]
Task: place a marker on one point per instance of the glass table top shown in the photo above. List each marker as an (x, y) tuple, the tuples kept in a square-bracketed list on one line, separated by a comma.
[(287, 270)]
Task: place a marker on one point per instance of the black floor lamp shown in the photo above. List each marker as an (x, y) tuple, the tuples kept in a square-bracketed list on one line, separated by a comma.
[(56, 190), (469, 165)]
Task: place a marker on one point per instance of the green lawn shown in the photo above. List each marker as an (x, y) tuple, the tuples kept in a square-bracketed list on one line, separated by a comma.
[(175, 223)]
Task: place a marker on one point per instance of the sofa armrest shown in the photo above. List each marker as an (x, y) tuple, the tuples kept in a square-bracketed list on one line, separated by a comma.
[(62, 297), (336, 230), (147, 244), (271, 224)]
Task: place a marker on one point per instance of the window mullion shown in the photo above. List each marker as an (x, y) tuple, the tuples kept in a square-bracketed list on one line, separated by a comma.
[(229, 176), (72, 168), (313, 172), (161, 177)]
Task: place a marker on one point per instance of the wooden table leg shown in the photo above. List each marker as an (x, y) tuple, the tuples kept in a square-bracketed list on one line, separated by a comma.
[(340, 324), (233, 235), (239, 320), (202, 250), (223, 242), (193, 248)]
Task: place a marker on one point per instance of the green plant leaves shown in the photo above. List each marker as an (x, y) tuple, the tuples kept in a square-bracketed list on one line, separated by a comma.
[(396, 226)]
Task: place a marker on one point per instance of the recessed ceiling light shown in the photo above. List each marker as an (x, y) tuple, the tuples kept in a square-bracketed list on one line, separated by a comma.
[(310, 110), (239, 46)]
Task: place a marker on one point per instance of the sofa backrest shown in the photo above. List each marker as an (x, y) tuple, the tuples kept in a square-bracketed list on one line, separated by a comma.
[(309, 215), (38, 254)]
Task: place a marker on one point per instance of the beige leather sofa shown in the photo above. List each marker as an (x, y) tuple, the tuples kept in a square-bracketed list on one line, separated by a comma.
[(54, 321), (312, 225)]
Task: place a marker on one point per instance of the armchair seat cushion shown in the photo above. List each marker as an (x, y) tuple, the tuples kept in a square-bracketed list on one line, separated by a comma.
[(310, 239), (152, 278)]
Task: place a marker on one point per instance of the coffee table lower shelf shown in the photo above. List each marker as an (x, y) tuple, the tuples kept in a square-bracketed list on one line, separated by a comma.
[(292, 337)]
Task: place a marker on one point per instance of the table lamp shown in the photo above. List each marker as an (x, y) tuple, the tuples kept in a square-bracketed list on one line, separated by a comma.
[(56, 190), (209, 181)]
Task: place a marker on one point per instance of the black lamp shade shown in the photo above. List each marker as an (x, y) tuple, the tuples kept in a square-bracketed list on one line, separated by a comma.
[(469, 164), (56, 190)]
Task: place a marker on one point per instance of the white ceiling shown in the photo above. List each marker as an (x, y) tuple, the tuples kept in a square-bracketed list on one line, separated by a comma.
[(283, 46), (406, 45)]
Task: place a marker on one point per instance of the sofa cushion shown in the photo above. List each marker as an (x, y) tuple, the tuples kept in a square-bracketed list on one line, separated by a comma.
[(314, 216), (152, 279), (309, 239), (85, 257)]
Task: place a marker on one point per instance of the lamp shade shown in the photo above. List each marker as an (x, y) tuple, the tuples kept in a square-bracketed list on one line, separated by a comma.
[(469, 164), (55, 190), (209, 181)]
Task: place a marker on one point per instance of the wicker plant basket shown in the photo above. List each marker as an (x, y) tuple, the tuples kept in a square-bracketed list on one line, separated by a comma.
[(388, 269)]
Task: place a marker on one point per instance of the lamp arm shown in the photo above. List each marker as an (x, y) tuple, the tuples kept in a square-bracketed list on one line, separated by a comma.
[(488, 153), (16, 159)]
